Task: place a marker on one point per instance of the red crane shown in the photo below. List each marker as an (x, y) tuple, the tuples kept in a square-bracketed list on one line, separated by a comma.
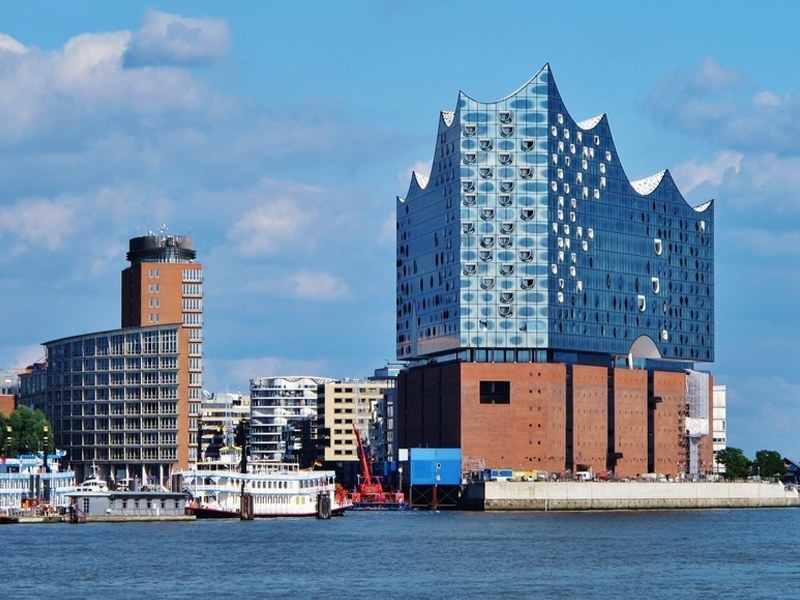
[(370, 493)]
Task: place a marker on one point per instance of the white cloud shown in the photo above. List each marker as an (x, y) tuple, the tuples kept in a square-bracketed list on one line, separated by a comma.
[(35, 223), (9, 44), (90, 222), (762, 181), (167, 39), (268, 227), (720, 105), (90, 56), (766, 98), (695, 99), (709, 75), (320, 286), (693, 173), (106, 259), (82, 92)]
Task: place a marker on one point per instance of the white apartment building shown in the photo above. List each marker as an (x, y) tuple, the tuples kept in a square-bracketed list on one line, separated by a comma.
[(719, 424), (279, 405)]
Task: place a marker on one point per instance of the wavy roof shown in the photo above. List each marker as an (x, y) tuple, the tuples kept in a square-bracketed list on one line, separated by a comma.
[(644, 186)]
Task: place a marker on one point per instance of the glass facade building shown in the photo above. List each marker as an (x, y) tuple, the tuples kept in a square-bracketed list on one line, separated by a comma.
[(280, 407), (528, 243), (118, 401)]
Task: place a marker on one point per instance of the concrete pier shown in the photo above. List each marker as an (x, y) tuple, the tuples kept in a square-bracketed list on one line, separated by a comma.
[(627, 495)]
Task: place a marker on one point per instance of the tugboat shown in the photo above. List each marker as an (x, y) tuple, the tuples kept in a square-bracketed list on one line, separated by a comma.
[(369, 493)]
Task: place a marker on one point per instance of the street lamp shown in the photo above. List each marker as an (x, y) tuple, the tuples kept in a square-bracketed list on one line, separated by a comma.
[(9, 431)]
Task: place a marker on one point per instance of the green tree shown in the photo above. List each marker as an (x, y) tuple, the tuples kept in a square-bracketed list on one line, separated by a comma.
[(27, 431), (4, 422), (737, 465), (769, 463)]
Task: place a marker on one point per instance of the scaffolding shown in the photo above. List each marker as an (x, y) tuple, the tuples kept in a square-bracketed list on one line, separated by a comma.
[(697, 421)]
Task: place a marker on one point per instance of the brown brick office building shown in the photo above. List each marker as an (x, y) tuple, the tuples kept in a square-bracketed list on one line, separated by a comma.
[(550, 417)]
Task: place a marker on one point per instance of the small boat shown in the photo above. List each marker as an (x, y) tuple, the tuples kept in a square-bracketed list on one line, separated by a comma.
[(266, 489), (94, 484)]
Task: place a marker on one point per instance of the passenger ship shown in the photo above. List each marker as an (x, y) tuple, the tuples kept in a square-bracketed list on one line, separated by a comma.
[(265, 490), (28, 487)]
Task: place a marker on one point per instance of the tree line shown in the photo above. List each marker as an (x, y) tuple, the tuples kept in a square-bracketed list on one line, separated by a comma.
[(768, 464)]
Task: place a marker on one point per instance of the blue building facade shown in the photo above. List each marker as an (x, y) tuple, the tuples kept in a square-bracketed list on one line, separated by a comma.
[(528, 243)]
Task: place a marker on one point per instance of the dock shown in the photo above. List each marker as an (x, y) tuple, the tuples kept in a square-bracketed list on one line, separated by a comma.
[(625, 495)]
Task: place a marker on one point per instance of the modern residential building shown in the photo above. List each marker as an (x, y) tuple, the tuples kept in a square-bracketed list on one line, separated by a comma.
[(119, 400), (552, 311), (720, 431), (348, 404), (283, 417), (384, 428), (220, 414), (126, 400)]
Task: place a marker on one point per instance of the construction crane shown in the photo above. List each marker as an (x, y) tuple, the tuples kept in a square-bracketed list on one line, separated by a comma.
[(369, 493)]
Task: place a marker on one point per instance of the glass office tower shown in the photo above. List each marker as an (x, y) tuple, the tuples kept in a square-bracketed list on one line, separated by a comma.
[(528, 243)]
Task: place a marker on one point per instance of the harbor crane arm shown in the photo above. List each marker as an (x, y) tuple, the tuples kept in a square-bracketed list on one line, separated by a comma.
[(365, 470)]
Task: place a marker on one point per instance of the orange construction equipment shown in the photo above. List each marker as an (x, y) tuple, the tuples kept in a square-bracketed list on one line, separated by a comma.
[(370, 494)]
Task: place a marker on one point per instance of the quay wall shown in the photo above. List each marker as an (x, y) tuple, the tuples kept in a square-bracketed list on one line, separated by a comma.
[(136, 518), (627, 495)]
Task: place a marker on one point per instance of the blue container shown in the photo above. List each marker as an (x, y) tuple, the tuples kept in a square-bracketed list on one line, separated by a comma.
[(435, 466)]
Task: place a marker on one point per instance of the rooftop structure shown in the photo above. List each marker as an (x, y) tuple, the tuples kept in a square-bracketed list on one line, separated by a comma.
[(161, 248)]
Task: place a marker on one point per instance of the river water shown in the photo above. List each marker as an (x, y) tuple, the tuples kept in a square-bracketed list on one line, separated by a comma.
[(628, 554)]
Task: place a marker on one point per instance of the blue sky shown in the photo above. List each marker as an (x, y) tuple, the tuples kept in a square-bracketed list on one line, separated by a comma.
[(279, 134)]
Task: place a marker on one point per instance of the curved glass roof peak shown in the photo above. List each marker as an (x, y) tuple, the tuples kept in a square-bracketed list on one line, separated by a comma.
[(647, 185), (422, 180), (591, 123)]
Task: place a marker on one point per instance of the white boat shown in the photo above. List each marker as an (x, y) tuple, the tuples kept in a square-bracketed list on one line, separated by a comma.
[(94, 500), (94, 484), (26, 487), (265, 490)]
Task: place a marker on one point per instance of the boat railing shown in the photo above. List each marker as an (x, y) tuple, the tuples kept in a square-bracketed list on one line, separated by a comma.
[(273, 467)]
